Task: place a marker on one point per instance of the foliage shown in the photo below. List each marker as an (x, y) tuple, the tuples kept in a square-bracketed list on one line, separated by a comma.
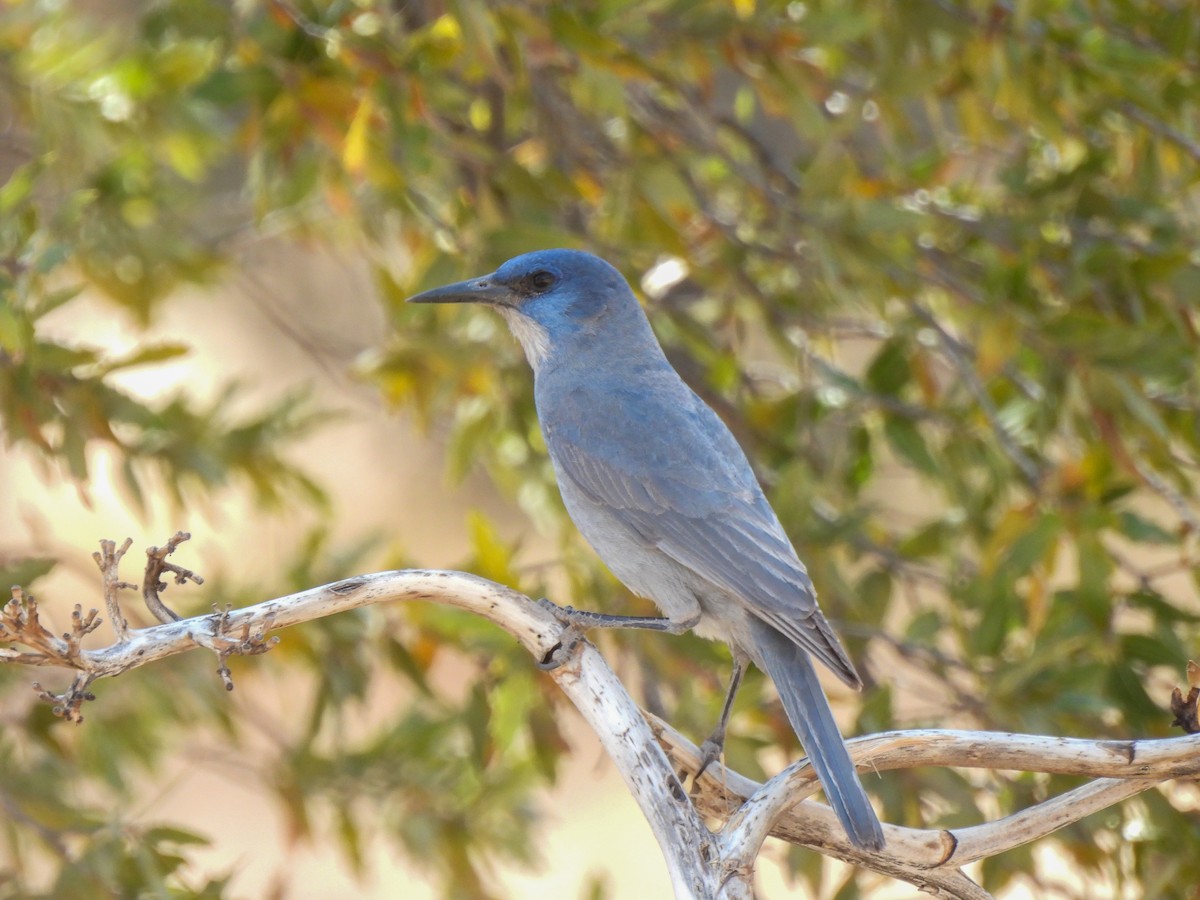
[(941, 249)]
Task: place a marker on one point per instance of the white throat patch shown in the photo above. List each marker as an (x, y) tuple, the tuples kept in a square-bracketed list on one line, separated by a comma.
[(535, 340)]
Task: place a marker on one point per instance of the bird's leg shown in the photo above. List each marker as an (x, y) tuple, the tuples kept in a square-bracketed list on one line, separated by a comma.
[(577, 621), (712, 747), (584, 619)]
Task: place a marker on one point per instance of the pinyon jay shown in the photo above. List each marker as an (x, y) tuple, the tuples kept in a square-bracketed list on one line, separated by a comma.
[(660, 488)]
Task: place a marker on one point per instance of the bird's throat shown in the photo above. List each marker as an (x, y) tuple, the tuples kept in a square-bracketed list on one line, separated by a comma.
[(534, 339)]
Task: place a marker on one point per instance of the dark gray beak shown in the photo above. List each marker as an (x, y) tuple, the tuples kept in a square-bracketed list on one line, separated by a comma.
[(477, 290)]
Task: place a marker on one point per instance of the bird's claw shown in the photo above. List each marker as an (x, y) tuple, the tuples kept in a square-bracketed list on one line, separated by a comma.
[(571, 635), (710, 752), (562, 651)]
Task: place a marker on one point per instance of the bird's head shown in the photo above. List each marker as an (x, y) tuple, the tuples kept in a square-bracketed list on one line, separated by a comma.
[(552, 299)]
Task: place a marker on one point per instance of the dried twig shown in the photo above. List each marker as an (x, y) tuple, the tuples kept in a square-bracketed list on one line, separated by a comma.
[(20, 623), (225, 644), (109, 559), (1187, 709), (69, 704), (152, 583)]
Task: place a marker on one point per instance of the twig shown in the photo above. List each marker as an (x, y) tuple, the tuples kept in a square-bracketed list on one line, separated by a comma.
[(152, 583), (20, 623), (960, 356), (225, 644), (69, 704), (1028, 825), (109, 559), (312, 29), (1174, 498), (1161, 128), (1187, 710)]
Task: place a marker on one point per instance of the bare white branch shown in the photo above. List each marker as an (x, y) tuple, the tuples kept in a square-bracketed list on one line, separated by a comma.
[(686, 842), (584, 677), (702, 864), (1123, 769)]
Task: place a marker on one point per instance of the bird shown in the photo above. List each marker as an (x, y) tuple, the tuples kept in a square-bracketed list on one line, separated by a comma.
[(665, 495)]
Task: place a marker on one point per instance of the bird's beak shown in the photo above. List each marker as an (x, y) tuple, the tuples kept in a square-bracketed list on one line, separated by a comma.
[(477, 290)]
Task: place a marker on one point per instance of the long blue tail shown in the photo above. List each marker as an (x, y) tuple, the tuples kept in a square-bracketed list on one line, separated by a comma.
[(808, 711)]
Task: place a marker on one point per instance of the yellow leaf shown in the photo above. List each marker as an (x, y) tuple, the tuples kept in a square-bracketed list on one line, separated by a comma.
[(743, 8), (996, 347), (185, 156), (354, 149), (589, 188), (1036, 605), (480, 114), (446, 29), (530, 155)]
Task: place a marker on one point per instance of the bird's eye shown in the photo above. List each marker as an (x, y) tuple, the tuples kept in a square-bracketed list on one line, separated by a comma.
[(542, 280)]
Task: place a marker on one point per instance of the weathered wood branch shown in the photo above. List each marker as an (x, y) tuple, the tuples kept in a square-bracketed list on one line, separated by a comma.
[(1122, 769), (647, 752)]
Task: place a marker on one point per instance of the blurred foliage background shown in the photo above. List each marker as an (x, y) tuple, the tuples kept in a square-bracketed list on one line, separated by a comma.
[(935, 262)]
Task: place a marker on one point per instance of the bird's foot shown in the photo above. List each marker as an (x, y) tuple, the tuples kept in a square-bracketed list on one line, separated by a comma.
[(710, 752), (568, 640), (567, 615)]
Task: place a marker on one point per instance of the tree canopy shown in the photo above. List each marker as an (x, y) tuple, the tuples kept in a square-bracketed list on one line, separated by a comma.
[(936, 263)]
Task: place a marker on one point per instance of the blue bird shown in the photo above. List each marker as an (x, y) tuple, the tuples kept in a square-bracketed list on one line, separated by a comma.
[(664, 494)]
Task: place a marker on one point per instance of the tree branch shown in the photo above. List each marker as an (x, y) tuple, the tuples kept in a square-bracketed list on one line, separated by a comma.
[(646, 751), (1123, 768), (583, 676)]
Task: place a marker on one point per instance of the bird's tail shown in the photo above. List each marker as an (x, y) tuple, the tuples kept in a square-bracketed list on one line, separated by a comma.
[(808, 710)]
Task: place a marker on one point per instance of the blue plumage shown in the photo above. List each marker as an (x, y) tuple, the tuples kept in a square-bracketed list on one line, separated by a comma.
[(661, 489)]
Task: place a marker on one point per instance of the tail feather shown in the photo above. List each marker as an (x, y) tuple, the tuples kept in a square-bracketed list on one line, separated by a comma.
[(807, 709)]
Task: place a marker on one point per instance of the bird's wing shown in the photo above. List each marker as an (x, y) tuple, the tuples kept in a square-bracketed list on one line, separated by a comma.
[(677, 477)]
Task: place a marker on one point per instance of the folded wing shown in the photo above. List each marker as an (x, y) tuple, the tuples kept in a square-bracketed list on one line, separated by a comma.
[(689, 490)]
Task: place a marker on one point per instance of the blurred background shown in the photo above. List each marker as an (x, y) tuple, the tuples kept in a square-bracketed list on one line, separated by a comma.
[(935, 263)]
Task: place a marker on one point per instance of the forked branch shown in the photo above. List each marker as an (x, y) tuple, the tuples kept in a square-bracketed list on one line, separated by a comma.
[(702, 863)]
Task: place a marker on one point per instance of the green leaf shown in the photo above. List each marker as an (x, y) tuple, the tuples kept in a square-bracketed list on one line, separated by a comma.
[(1033, 546), (493, 557), (999, 610), (143, 356), (873, 592), (889, 371), (1143, 530), (24, 572), (905, 438)]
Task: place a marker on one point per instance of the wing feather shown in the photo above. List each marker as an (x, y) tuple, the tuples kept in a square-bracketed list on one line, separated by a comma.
[(686, 487)]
